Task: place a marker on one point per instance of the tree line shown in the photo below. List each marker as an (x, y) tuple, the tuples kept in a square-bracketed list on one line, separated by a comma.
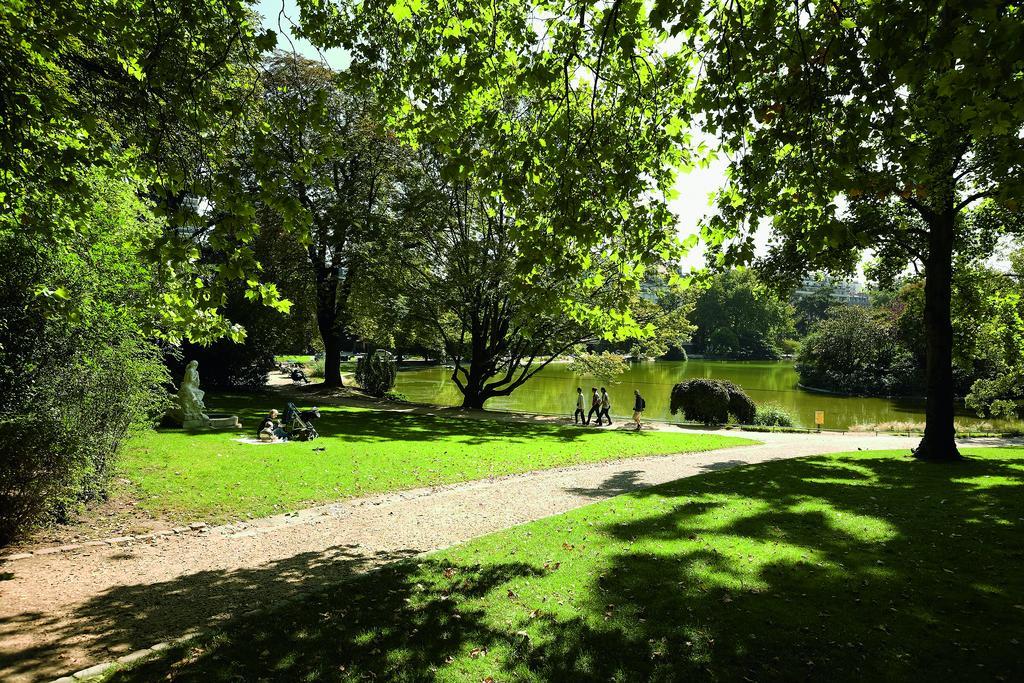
[(500, 172)]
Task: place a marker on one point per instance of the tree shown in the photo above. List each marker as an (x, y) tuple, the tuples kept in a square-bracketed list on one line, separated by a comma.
[(552, 212), (498, 327), (857, 350), (565, 112), (605, 366), (807, 310), (127, 86), (325, 163), (737, 317), (891, 125), (999, 338)]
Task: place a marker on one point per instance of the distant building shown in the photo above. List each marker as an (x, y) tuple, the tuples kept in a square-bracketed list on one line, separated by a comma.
[(843, 291)]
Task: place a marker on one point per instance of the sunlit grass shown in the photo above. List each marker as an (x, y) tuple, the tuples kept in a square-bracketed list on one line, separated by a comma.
[(887, 569), (361, 451)]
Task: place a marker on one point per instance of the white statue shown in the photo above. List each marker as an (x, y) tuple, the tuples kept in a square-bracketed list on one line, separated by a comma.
[(190, 396)]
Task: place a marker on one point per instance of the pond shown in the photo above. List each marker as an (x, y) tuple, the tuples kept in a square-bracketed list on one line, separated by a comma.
[(552, 391)]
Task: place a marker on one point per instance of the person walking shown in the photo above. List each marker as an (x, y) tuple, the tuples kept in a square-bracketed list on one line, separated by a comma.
[(578, 417), (638, 408), (606, 405), (595, 406)]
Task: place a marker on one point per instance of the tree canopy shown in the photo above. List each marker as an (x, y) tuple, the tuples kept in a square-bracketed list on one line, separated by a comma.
[(154, 91), (890, 125), (570, 114), (738, 317)]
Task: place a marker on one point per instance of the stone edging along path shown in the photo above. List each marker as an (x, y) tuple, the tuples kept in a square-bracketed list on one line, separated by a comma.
[(194, 527)]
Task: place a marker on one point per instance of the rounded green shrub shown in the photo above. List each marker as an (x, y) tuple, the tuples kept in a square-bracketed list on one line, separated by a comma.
[(712, 401), (376, 373)]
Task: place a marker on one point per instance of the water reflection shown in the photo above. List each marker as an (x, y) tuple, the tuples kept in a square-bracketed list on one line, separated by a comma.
[(553, 391)]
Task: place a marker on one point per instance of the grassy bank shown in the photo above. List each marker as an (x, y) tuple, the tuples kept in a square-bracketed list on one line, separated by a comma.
[(361, 451), (864, 566)]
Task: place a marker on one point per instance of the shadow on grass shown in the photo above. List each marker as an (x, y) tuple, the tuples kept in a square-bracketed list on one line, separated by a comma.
[(370, 425), (853, 568), (131, 617)]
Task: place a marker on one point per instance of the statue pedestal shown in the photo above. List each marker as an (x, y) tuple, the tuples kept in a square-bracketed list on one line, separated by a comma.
[(214, 422)]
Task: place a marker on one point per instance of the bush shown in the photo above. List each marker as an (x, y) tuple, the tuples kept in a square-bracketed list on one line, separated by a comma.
[(317, 369), (79, 372), (773, 415), (712, 401), (376, 373), (675, 352), (858, 351)]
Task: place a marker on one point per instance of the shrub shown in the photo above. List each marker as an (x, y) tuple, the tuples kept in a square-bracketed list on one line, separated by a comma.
[(376, 372), (396, 396), (676, 352), (740, 404), (317, 368), (773, 415), (712, 401), (858, 351), (79, 371)]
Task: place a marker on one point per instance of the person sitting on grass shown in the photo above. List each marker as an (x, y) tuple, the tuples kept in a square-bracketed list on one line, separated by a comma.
[(270, 428)]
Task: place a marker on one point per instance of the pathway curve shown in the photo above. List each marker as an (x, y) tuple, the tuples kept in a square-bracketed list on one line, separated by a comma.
[(63, 612)]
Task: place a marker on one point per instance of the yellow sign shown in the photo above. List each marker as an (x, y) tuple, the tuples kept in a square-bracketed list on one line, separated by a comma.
[(819, 417)]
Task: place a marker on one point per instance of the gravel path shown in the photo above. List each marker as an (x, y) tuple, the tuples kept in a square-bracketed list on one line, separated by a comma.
[(65, 611)]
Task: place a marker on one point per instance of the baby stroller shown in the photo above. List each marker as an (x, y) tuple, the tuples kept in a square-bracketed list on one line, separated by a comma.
[(300, 423)]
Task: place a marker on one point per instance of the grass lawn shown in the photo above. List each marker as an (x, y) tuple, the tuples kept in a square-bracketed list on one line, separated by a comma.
[(863, 566), (294, 359), (213, 477)]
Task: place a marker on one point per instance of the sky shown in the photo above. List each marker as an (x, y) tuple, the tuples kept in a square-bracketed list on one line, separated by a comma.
[(280, 15)]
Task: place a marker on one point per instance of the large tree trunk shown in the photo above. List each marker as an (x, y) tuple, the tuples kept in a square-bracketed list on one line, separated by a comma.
[(473, 392), (473, 399), (327, 323), (332, 356), (938, 443)]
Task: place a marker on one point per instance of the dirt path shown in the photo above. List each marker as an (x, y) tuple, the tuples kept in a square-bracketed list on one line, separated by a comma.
[(62, 612)]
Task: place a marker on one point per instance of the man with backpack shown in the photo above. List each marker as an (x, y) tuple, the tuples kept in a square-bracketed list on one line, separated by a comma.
[(638, 408)]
